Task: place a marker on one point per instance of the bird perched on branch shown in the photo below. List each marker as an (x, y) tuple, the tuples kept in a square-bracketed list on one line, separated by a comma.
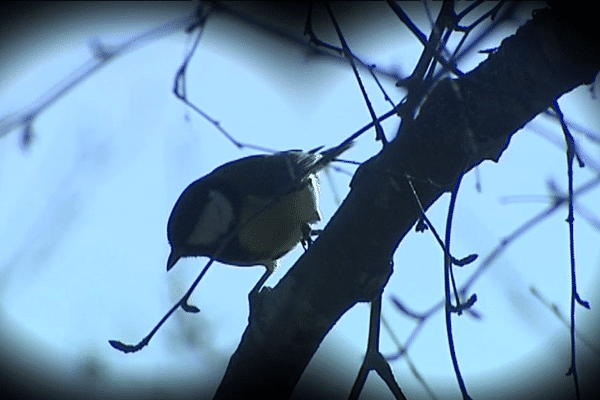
[(250, 211)]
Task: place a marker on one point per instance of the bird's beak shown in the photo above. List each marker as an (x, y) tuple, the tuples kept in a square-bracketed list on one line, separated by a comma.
[(173, 257)]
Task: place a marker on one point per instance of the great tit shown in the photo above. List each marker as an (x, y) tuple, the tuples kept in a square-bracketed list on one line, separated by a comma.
[(250, 211)]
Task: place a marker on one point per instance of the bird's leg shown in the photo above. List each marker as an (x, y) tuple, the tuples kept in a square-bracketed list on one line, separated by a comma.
[(256, 289), (307, 232), (306, 239), (256, 295)]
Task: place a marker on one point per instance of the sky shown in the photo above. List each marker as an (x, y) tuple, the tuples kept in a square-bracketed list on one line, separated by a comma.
[(84, 205)]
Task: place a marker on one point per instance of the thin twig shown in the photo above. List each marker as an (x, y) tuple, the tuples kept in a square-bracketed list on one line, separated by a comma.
[(102, 56), (553, 307), (459, 262), (570, 220), (374, 360), (448, 308), (378, 129), (489, 260), (183, 302)]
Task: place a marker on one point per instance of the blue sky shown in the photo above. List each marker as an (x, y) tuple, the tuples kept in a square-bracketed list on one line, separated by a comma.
[(83, 208)]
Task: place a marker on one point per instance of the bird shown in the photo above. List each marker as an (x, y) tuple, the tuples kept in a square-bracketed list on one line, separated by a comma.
[(250, 211)]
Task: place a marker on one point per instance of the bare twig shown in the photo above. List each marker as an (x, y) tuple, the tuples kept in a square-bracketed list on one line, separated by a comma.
[(449, 309), (570, 220), (102, 55), (374, 360)]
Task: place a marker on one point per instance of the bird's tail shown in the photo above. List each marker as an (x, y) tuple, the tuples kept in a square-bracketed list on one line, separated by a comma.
[(329, 155)]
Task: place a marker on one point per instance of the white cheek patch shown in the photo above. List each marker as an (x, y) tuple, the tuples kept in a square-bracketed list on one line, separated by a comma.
[(215, 220)]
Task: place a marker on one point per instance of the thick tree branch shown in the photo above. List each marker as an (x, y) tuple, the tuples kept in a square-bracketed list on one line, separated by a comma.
[(462, 123)]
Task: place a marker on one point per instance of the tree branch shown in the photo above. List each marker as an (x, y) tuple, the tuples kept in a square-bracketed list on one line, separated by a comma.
[(462, 123)]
